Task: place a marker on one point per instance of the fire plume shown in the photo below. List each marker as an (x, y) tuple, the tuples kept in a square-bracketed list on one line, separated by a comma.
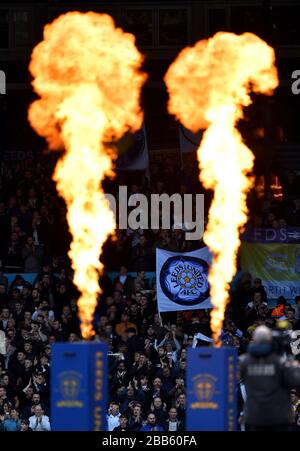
[(87, 75), (208, 85)]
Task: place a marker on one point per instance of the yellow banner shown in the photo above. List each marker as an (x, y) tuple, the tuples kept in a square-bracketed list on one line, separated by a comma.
[(277, 264)]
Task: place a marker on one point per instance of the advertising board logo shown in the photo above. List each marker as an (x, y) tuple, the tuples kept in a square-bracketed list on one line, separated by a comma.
[(70, 386), (277, 262), (204, 388)]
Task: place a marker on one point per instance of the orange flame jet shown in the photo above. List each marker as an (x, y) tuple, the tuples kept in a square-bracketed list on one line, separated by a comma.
[(87, 74), (208, 85)]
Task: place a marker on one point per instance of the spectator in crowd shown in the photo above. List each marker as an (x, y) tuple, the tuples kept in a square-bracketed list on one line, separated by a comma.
[(4, 317), (113, 416), (39, 421), (172, 423), (278, 311), (125, 279), (123, 424), (295, 401), (125, 324), (159, 409), (181, 407), (136, 419), (259, 288), (10, 421), (32, 256), (25, 426), (29, 409), (151, 424)]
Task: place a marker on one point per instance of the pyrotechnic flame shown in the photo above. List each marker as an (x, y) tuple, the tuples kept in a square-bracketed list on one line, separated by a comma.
[(86, 72), (208, 85)]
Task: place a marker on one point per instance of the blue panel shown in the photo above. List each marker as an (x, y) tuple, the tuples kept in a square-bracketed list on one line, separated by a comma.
[(211, 389), (78, 394), (98, 393)]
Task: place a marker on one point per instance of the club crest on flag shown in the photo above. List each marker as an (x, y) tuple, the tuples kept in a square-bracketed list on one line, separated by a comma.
[(183, 280)]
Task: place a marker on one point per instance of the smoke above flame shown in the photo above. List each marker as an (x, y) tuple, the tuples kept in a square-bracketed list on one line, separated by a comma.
[(208, 85), (86, 73)]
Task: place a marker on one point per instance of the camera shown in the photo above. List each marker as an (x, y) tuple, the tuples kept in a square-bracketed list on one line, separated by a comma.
[(281, 338)]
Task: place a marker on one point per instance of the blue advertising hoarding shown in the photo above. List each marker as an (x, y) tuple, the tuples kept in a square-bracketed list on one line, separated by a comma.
[(270, 235), (79, 387), (211, 389)]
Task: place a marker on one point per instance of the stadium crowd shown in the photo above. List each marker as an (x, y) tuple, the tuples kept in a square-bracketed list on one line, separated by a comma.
[(147, 351)]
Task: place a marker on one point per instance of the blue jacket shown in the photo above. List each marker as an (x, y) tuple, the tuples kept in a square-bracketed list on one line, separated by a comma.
[(148, 428), (11, 425)]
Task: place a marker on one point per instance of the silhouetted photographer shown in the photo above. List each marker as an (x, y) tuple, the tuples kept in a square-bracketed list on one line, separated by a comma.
[(268, 375)]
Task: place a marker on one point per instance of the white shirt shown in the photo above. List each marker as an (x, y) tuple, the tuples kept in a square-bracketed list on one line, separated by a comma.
[(38, 312), (35, 237), (5, 322), (122, 279), (44, 425), (172, 425), (2, 342), (113, 421)]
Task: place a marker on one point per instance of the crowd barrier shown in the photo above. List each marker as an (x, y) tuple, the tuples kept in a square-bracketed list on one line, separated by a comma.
[(30, 277)]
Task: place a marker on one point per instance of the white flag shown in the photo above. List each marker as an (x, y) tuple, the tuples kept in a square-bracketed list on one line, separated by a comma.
[(189, 141), (181, 280)]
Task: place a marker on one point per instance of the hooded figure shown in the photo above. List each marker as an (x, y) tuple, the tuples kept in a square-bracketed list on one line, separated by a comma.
[(268, 378)]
